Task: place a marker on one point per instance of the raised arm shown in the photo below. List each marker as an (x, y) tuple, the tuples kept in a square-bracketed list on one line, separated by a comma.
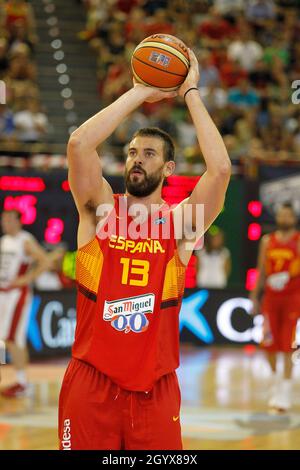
[(211, 188), (88, 186), (85, 171)]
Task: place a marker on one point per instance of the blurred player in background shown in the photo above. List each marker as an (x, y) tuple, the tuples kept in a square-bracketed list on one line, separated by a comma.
[(22, 260), (279, 279), (213, 261)]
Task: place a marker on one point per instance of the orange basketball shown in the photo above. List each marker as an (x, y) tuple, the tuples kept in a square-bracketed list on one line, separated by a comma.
[(161, 61)]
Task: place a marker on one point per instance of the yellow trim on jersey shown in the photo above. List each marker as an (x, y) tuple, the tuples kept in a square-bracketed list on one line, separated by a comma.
[(89, 263), (174, 278)]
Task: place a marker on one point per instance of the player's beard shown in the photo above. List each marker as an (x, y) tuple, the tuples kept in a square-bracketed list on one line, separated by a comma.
[(143, 186)]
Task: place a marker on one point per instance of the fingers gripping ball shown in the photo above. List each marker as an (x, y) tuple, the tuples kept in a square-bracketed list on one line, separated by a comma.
[(161, 61)]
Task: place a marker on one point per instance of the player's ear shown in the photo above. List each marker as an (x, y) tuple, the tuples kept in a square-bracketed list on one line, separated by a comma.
[(169, 168)]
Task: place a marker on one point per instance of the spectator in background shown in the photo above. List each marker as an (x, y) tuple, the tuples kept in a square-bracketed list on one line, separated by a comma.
[(7, 125), (245, 50), (185, 131), (209, 72), (31, 124), (20, 65), (215, 29), (279, 49), (232, 72), (214, 97), (19, 36), (159, 23), (213, 261), (150, 6), (3, 56), (243, 96), (229, 7), (259, 11), (18, 12), (162, 118), (260, 77), (136, 17), (116, 81)]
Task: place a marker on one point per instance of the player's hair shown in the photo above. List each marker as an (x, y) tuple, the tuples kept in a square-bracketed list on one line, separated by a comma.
[(210, 234), (169, 148)]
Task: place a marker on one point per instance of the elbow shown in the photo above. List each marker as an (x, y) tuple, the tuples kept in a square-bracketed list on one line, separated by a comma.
[(221, 172), (225, 169), (74, 143)]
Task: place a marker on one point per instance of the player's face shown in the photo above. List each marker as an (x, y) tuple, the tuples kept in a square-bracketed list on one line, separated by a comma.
[(217, 241), (10, 223), (285, 219), (144, 170)]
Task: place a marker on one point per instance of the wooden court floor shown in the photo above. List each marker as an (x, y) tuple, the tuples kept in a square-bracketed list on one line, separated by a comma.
[(224, 395)]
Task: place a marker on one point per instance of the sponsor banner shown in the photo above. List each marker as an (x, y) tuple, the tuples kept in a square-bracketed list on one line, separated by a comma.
[(276, 192), (207, 317)]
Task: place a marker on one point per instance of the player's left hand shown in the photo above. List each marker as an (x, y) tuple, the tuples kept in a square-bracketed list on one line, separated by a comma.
[(192, 78)]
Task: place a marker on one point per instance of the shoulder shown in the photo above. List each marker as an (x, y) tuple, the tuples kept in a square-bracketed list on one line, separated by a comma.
[(226, 252), (27, 239), (266, 239), (25, 235)]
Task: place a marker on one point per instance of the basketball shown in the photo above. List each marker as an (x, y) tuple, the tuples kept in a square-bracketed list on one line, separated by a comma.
[(161, 61)]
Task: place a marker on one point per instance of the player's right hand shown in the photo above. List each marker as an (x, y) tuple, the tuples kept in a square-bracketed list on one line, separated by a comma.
[(151, 94)]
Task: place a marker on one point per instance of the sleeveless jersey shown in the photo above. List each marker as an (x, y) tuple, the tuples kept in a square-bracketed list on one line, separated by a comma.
[(13, 259), (282, 265), (129, 296)]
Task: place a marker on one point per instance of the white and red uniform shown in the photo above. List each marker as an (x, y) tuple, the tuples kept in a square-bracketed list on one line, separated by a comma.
[(14, 302)]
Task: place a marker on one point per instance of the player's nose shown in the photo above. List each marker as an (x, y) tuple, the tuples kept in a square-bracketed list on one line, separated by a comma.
[(138, 160)]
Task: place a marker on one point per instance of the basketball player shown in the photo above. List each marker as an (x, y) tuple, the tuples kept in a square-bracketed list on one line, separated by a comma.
[(279, 279), (18, 250), (120, 390)]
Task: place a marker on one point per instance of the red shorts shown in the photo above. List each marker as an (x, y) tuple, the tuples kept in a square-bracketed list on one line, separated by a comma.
[(282, 312), (95, 413)]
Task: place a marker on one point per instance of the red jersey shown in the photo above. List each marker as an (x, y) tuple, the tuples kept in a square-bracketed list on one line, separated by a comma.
[(282, 266), (129, 296)]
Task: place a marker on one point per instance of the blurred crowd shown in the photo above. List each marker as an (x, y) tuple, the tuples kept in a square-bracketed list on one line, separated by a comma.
[(22, 119), (249, 55)]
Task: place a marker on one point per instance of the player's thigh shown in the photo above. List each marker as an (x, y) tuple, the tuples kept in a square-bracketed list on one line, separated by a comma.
[(88, 414), (156, 418), (271, 309), (289, 320), (8, 302), (22, 326)]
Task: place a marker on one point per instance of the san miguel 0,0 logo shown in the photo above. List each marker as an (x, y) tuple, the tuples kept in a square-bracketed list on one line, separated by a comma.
[(129, 314)]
